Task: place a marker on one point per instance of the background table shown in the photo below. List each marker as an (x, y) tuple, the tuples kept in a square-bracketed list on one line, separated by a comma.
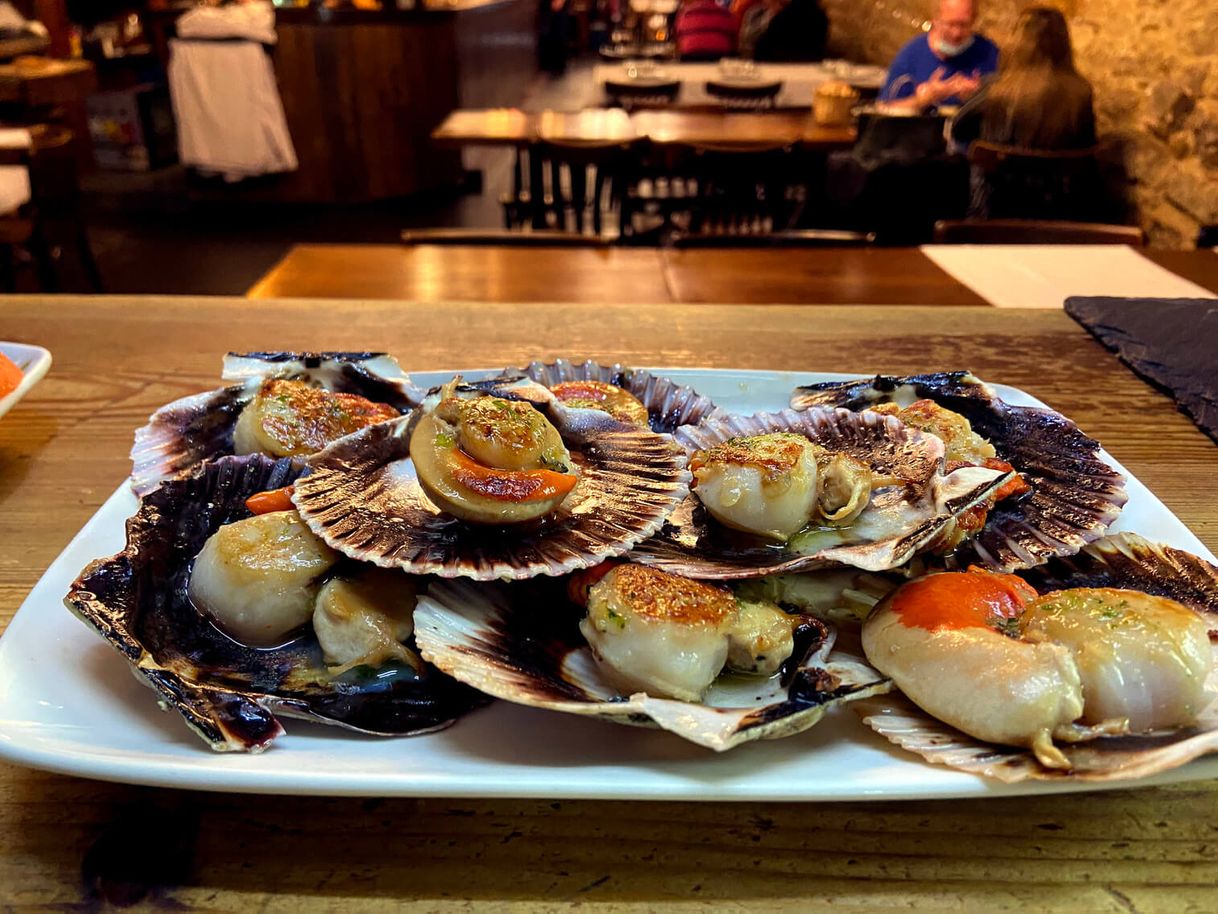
[(872, 276), (512, 127), (69, 843)]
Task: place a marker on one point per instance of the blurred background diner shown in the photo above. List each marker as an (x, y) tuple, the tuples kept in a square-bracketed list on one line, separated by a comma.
[(179, 146)]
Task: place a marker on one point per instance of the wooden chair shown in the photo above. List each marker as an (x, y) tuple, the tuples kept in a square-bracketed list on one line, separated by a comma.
[(53, 213), (795, 238), (743, 190), (508, 238), (743, 96), (1033, 231), (1013, 183), (631, 95), (580, 180)]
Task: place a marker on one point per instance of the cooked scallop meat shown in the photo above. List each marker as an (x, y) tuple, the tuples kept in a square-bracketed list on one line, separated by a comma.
[(291, 418), (363, 619), (606, 397), (956, 432), (657, 633), (764, 484), (761, 639), (1140, 657), (489, 460), (949, 643), (257, 578)]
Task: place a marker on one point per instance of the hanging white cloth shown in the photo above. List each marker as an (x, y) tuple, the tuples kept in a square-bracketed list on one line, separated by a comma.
[(230, 116)]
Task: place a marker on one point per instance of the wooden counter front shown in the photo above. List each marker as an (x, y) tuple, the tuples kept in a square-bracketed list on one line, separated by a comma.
[(362, 91)]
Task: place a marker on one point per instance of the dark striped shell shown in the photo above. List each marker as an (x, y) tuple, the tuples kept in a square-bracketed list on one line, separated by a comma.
[(361, 496), (1127, 561), (184, 433), (520, 642), (230, 694), (1075, 496), (693, 544)]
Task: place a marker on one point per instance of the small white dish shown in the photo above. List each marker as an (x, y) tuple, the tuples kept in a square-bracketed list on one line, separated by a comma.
[(33, 362)]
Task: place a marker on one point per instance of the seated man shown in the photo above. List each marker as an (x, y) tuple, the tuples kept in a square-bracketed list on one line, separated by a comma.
[(946, 65)]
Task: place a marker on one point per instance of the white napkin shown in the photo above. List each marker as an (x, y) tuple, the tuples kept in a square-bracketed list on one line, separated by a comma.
[(1044, 276), (252, 21), (14, 179)]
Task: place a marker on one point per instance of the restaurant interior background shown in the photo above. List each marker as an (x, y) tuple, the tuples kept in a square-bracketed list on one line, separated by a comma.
[(363, 89)]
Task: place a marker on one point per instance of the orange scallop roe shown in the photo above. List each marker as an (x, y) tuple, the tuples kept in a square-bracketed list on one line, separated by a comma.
[(10, 375), (961, 599)]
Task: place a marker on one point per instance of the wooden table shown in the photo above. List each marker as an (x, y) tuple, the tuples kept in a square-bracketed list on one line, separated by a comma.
[(70, 844), (512, 127), (56, 82), (872, 276)]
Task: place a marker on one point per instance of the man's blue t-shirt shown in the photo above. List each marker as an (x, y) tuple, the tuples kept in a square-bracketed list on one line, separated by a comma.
[(916, 62)]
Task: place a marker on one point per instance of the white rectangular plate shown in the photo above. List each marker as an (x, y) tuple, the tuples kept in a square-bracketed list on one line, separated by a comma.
[(33, 362), (68, 703)]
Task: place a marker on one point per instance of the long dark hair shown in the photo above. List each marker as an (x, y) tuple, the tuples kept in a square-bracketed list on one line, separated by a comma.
[(1039, 100)]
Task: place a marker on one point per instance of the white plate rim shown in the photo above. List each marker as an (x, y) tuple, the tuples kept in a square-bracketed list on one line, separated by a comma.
[(34, 362), (312, 760)]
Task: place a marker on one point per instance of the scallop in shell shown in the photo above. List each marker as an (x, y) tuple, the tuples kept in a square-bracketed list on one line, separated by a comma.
[(230, 694), (520, 641), (1125, 561), (184, 433), (1075, 496), (363, 498), (669, 405), (896, 523)]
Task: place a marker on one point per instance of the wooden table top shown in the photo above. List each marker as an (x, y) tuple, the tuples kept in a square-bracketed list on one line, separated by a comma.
[(512, 127), (54, 82), (871, 276), (73, 844), (466, 273)]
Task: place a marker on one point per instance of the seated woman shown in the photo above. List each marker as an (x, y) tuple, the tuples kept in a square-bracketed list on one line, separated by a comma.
[(1037, 103)]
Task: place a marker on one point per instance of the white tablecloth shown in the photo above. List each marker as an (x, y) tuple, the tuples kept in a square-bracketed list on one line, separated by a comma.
[(14, 179), (1044, 276)]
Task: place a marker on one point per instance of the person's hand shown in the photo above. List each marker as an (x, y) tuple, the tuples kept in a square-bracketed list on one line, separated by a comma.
[(966, 86), (935, 89)]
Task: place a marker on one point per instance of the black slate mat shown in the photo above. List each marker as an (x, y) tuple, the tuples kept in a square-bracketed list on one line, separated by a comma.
[(1171, 342)]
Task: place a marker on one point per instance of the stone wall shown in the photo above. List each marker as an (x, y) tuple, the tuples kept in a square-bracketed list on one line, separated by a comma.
[(1154, 66)]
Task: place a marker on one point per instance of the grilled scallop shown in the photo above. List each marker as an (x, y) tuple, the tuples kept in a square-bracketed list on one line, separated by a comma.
[(671, 637), (763, 484), (488, 460), (1140, 657), (362, 619), (257, 578), (606, 397), (984, 653), (656, 633), (291, 418)]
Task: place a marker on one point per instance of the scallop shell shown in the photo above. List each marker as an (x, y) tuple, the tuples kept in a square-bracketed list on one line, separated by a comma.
[(184, 433), (521, 642), (694, 545), (230, 694), (1127, 561), (1075, 496), (361, 496), (670, 405)]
